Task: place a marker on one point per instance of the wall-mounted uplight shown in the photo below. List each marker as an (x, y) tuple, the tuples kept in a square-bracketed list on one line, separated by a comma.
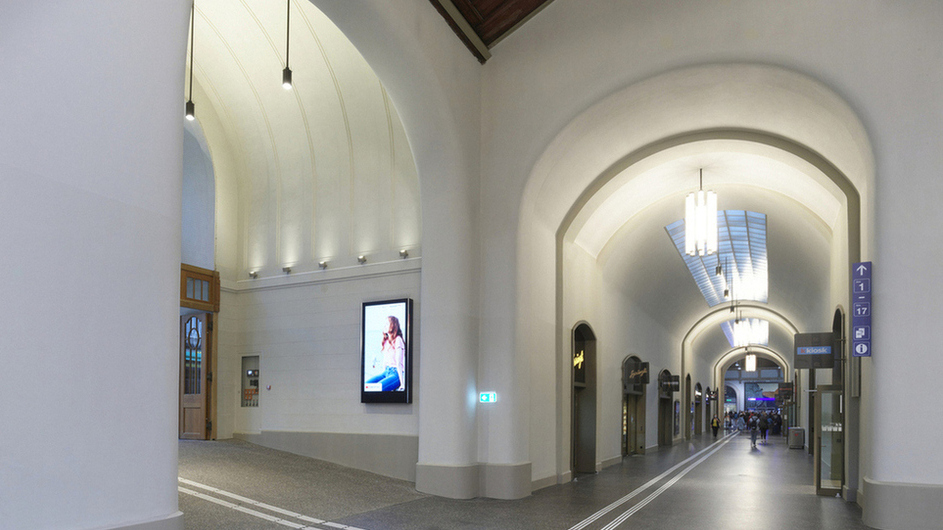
[(253, 274), (286, 270), (322, 265), (361, 259), (404, 253)]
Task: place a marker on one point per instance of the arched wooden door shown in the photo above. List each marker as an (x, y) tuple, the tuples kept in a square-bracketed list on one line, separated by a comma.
[(194, 345)]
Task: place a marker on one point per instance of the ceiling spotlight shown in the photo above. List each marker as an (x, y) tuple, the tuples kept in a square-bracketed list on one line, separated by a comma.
[(404, 253), (286, 270), (361, 259), (191, 113), (253, 274), (322, 264)]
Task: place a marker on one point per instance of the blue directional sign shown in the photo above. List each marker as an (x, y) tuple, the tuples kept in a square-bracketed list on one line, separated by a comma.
[(861, 309)]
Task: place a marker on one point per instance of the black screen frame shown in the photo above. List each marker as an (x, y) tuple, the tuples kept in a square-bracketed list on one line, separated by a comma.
[(389, 396)]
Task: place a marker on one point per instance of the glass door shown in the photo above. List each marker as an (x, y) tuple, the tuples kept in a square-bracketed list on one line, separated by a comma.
[(829, 440)]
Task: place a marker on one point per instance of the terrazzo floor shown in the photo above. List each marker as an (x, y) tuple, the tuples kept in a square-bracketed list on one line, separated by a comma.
[(706, 483)]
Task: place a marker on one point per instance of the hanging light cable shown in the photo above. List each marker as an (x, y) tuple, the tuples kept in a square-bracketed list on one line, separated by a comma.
[(286, 73), (190, 110), (700, 221)]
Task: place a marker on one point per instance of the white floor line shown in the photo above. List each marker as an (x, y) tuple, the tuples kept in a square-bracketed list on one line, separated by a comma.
[(631, 511), (589, 520), (257, 504)]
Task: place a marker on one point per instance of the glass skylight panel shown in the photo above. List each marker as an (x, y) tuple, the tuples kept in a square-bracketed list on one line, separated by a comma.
[(741, 253)]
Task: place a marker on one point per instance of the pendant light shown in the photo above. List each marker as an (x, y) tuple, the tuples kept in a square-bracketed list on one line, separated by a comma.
[(700, 221), (190, 110), (286, 73), (751, 362)]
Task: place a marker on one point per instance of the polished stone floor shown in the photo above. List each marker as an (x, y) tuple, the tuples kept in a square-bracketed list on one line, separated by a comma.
[(707, 483)]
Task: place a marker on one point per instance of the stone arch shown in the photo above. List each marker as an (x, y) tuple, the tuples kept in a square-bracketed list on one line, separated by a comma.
[(618, 133)]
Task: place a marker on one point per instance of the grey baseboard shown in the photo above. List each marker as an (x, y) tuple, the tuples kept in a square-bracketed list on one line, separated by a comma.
[(545, 482), (505, 481), (454, 482), (389, 455), (609, 462), (171, 522), (897, 505)]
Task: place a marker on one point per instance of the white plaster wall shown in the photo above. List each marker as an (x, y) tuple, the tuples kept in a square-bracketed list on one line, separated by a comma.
[(435, 85), (226, 163), (630, 331), (90, 167), (198, 201), (306, 333)]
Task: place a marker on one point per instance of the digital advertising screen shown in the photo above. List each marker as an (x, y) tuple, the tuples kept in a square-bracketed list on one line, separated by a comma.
[(386, 352)]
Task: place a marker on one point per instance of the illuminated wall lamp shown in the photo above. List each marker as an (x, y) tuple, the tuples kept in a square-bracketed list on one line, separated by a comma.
[(322, 265), (361, 259), (404, 253), (286, 270), (253, 274)]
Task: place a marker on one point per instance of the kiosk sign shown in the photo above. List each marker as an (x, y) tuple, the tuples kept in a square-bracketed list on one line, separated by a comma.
[(861, 309)]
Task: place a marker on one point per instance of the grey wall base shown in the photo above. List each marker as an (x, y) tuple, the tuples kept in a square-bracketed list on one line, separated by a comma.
[(901, 506), (496, 481), (396, 456), (171, 522), (384, 454)]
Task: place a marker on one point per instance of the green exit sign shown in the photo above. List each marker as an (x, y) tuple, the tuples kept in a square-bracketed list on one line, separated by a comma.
[(488, 397)]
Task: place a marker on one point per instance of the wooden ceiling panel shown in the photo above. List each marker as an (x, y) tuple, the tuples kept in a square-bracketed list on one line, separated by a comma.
[(485, 22)]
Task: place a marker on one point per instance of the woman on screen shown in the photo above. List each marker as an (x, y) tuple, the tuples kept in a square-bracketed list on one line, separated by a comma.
[(394, 357)]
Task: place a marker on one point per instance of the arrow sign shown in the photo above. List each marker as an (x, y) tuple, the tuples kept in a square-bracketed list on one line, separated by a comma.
[(862, 308)]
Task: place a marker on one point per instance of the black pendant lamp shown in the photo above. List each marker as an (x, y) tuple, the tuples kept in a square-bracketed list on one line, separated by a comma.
[(190, 112), (286, 73)]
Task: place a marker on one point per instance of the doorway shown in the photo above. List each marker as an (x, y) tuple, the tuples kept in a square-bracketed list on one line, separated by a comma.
[(666, 412), (584, 400), (195, 348), (698, 411), (634, 382), (829, 452)]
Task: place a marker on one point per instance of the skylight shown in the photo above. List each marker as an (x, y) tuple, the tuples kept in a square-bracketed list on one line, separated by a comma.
[(741, 254)]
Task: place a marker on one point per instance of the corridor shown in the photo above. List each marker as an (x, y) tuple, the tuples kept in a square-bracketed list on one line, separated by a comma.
[(706, 483)]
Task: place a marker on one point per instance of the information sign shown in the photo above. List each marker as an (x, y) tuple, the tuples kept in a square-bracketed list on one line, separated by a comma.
[(861, 309)]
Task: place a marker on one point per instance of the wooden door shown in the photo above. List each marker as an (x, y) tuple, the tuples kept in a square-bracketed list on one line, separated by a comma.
[(193, 370)]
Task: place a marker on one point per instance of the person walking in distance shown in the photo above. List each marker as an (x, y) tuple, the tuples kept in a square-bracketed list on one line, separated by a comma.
[(752, 424), (715, 425), (763, 425)]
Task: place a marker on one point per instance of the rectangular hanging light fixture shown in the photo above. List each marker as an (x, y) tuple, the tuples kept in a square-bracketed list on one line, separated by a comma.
[(751, 362), (700, 222)]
